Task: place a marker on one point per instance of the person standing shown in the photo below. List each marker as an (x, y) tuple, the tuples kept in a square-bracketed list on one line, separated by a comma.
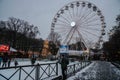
[(0, 60), (15, 63), (64, 62), (9, 61), (5, 59), (33, 59)]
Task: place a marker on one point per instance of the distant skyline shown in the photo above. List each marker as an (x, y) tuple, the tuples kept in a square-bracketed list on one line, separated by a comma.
[(41, 12)]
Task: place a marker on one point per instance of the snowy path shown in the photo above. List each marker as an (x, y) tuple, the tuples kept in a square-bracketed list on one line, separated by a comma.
[(99, 70)]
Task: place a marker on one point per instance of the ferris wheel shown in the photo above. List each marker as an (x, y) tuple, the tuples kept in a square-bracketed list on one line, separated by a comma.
[(79, 21)]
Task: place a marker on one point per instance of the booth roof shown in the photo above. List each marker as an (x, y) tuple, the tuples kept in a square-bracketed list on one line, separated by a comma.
[(12, 49)]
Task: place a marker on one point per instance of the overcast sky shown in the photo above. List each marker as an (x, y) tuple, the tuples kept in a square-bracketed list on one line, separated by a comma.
[(41, 12)]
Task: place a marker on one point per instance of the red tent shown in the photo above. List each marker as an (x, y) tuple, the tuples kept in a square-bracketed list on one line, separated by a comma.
[(4, 48)]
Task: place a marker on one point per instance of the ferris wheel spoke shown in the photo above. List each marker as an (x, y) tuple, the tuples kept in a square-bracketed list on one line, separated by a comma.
[(89, 37), (91, 33), (77, 12), (73, 12), (80, 18), (85, 17), (83, 14), (86, 10), (89, 18), (67, 16), (82, 39), (71, 36), (67, 36), (87, 14), (70, 14), (63, 21), (62, 25), (80, 11), (62, 29), (63, 34), (92, 25), (90, 21), (59, 27), (90, 28)]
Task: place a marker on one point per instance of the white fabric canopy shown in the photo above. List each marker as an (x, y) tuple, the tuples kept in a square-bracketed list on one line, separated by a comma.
[(12, 49)]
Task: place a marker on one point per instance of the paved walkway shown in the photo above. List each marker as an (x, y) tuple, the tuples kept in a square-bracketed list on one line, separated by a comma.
[(99, 70)]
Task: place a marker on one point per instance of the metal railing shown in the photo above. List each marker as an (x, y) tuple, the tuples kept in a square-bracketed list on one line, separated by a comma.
[(117, 64), (29, 72), (39, 71), (72, 69)]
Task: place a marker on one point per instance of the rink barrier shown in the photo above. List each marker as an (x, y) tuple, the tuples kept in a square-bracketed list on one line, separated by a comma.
[(29, 72)]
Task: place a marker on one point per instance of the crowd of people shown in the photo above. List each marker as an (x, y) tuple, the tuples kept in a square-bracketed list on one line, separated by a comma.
[(5, 60)]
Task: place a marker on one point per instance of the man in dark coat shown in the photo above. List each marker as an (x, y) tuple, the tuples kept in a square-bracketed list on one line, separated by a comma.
[(64, 63), (0, 60), (5, 59), (33, 59)]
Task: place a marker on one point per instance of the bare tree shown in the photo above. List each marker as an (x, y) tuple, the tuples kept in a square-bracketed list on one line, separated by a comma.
[(54, 37), (21, 26), (18, 29)]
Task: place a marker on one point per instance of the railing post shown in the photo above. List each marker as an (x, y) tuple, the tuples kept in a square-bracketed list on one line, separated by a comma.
[(85, 63), (81, 64), (74, 69), (20, 74), (37, 73), (49, 70), (57, 68)]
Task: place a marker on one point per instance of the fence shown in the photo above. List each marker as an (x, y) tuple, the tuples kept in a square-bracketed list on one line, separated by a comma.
[(29, 72), (39, 71), (74, 68)]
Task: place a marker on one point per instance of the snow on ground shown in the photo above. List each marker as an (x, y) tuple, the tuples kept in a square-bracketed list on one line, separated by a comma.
[(22, 62), (98, 70)]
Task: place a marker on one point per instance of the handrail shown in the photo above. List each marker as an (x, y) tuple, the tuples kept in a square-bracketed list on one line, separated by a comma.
[(39, 71), (72, 69), (30, 72)]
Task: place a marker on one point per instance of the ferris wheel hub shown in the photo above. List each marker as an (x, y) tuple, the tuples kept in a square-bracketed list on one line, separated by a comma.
[(73, 24)]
